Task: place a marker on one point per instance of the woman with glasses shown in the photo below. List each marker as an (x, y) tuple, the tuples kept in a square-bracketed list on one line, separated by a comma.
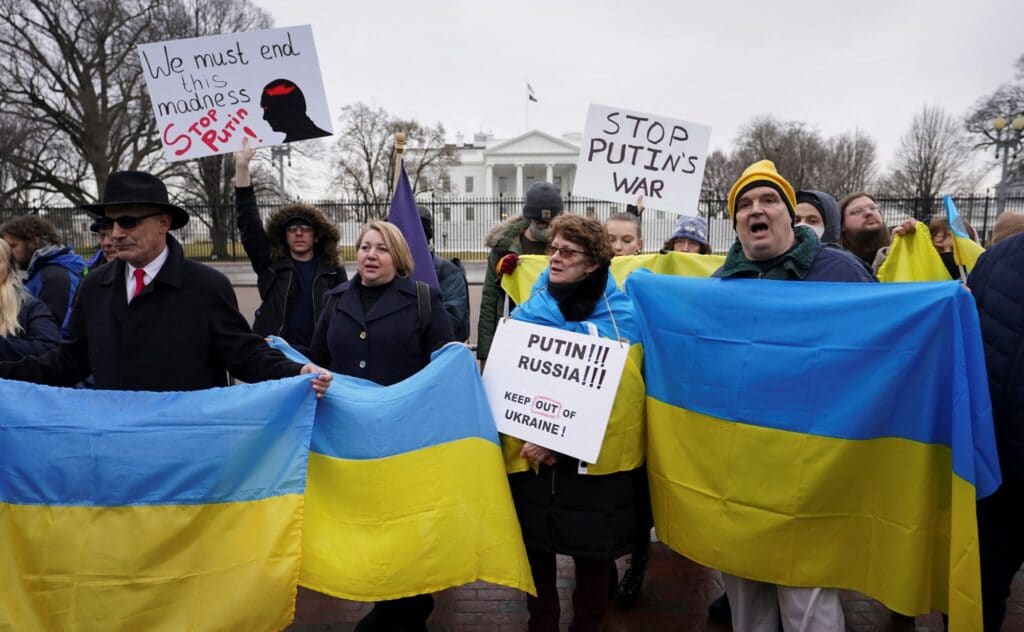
[(584, 510), (295, 258), (373, 327), (26, 326)]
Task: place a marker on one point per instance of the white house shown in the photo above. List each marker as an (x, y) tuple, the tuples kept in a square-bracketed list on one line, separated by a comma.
[(491, 166)]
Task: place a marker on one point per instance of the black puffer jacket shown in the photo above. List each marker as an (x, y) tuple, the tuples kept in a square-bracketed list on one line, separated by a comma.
[(275, 272), (997, 283)]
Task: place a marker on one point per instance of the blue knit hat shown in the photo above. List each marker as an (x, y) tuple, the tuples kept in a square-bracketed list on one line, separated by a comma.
[(690, 227)]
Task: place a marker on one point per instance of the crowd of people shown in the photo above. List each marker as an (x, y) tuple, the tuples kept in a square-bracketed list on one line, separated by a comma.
[(141, 316)]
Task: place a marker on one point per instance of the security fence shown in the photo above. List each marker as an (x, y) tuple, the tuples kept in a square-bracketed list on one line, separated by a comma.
[(461, 224)]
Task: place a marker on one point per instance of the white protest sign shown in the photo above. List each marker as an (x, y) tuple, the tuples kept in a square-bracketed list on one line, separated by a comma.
[(210, 92), (625, 154), (552, 387)]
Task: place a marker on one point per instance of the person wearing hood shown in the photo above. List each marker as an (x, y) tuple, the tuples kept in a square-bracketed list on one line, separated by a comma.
[(454, 287), (525, 235), (820, 212), (295, 258), (53, 269)]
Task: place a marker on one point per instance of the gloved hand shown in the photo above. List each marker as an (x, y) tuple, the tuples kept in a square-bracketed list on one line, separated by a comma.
[(507, 264)]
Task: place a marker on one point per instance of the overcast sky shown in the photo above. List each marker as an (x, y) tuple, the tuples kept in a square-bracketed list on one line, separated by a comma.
[(869, 64)]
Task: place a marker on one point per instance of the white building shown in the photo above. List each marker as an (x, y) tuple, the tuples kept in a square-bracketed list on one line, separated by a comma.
[(491, 166)]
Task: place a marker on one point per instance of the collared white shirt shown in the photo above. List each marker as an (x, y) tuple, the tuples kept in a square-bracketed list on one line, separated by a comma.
[(149, 272)]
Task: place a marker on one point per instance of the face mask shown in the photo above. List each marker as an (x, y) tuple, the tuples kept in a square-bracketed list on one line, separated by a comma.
[(539, 234), (818, 229)]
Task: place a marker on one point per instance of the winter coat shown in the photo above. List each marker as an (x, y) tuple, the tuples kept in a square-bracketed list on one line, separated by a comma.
[(807, 260), (503, 239), (588, 515), (385, 345), (54, 273), (997, 282), (455, 294), (271, 261), (183, 332), (39, 333)]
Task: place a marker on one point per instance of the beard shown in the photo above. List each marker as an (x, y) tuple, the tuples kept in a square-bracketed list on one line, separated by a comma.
[(866, 243)]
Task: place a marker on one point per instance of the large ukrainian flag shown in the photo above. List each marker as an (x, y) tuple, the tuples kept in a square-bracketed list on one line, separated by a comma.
[(519, 284), (821, 434), (407, 492), (151, 511)]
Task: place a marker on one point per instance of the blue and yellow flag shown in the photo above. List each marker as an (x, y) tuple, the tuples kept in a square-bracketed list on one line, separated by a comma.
[(407, 492), (821, 434), (965, 251), (519, 284), (913, 258), (152, 511)]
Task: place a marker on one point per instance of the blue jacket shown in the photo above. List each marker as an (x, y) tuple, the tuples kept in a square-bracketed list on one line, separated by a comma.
[(997, 283), (383, 346), (54, 273), (455, 294), (39, 332)]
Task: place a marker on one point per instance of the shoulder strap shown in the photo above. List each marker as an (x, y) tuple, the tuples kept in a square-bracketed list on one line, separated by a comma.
[(423, 306)]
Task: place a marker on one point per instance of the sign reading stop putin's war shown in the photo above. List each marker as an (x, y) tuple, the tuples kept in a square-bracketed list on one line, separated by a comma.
[(552, 387), (209, 93), (626, 153)]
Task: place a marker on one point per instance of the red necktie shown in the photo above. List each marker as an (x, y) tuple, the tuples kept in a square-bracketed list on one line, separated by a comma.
[(140, 282)]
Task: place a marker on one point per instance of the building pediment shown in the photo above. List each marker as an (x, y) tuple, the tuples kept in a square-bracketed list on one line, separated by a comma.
[(534, 142)]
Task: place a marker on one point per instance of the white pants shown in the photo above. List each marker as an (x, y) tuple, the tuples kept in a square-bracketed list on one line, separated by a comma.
[(757, 607)]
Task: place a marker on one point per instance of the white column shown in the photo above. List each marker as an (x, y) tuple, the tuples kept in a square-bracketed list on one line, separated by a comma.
[(550, 175), (519, 179), (489, 187)]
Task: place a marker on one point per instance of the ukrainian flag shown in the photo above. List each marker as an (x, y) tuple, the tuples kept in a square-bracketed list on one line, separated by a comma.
[(407, 492), (965, 251), (821, 434), (519, 284), (152, 511), (913, 258)]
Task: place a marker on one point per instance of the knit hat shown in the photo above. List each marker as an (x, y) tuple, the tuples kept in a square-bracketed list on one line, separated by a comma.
[(543, 201), (1007, 225), (693, 228), (761, 173)]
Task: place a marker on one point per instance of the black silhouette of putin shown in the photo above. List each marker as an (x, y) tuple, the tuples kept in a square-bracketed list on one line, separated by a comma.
[(284, 109)]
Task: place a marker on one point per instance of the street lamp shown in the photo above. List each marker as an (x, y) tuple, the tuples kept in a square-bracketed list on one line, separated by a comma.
[(277, 154), (1007, 140)]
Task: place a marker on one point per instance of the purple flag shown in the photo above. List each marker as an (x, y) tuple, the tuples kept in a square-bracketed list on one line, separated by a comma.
[(406, 217)]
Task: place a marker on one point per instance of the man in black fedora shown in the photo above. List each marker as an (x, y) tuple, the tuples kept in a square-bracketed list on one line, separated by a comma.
[(153, 320)]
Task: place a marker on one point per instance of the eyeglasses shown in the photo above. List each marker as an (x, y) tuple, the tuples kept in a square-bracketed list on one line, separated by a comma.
[(295, 229), (129, 222), (563, 252), (860, 210)]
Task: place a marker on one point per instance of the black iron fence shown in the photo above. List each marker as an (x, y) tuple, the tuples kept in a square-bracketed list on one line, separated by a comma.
[(461, 224)]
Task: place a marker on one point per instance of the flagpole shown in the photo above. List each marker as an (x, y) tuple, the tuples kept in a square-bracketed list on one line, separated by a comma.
[(399, 149)]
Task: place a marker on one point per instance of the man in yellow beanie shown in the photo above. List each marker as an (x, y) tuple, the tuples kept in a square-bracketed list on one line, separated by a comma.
[(769, 246)]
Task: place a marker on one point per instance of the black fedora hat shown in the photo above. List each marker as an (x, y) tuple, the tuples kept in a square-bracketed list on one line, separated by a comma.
[(137, 187)]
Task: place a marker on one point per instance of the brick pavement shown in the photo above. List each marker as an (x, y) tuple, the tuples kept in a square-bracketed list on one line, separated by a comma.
[(676, 595)]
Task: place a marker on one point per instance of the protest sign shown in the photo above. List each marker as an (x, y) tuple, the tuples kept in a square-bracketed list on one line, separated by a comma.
[(552, 387), (210, 92), (625, 154)]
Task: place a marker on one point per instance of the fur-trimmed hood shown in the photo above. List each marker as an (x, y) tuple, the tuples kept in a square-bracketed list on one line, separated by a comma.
[(513, 226), (327, 235)]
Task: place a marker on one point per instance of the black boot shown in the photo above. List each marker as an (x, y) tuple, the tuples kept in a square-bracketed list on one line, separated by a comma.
[(628, 590)]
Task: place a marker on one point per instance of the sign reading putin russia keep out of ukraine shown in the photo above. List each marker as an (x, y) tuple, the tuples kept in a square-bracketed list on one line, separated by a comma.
[(626, 153), (552, 387), (209, 93)]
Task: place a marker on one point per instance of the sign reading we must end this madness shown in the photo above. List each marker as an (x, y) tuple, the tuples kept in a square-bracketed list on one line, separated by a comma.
[(209, 93), (552, 387), (626, 153)]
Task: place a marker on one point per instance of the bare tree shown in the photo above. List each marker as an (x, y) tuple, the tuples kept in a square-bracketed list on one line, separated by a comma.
[(70, 67), (1006, 102), (933, 157), (719, 173), (851, 164), (365, 147)]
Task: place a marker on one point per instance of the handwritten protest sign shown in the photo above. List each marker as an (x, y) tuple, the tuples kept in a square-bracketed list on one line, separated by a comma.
[(552, 387), (210, 92), (626, 153)]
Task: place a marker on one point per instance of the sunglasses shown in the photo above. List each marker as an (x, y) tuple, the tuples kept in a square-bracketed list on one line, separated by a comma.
[(563, 252), (129, 222), (295, 229)]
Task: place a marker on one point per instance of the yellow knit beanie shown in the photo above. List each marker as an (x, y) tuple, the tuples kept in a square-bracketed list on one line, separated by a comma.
[(761, 173)]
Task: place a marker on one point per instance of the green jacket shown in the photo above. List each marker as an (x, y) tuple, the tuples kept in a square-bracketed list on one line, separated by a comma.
[(505, 238)]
